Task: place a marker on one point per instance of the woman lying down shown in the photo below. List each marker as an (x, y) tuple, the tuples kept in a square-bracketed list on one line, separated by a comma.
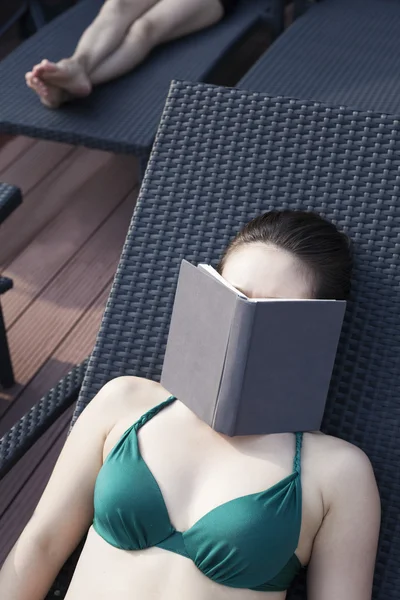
[(177, 511)]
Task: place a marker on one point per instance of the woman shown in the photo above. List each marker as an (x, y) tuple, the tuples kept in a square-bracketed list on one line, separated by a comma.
[(180, 511), (121, 36)]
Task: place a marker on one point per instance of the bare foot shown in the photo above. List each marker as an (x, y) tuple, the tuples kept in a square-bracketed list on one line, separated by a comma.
[(68, 74), (49, 95)]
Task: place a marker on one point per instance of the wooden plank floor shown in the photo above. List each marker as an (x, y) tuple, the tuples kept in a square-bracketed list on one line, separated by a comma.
[(61, 248)]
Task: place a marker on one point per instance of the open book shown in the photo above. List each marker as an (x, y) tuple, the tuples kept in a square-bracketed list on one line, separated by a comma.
[(249, 366)]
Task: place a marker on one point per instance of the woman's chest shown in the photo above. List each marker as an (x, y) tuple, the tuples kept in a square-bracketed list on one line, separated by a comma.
[(196, 469)]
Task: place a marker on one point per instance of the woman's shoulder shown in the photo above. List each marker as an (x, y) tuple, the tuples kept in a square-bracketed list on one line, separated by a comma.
[(342, 466), (339, 451), (129, 384), (127, 396)]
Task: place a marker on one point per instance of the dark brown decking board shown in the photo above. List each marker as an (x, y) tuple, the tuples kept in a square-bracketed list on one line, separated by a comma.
[(4, 139), (11, 149), (44, 202), (35, 163), (37, 265), (48, 320)]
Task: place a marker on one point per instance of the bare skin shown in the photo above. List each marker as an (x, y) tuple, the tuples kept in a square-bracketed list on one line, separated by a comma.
[(198, 469), (120, 38)]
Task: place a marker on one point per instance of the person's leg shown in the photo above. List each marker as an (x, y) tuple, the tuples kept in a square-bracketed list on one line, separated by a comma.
[(101, 38), (167, 20), (108, 30)]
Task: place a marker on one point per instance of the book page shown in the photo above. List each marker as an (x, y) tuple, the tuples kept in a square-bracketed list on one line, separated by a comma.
[(215, 274)]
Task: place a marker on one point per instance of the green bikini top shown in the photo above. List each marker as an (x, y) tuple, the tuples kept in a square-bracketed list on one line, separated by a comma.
[(248, 542)]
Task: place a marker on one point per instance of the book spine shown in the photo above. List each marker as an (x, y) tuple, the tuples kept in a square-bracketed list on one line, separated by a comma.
[(230, 391)]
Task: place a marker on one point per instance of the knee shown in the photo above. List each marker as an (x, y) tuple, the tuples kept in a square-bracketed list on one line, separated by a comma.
[(146, 30)]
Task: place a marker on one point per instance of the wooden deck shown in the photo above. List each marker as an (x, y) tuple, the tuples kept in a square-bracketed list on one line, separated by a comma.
[(61, 248)]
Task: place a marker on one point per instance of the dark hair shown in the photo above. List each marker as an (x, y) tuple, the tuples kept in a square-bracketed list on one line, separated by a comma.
[(315, 242)]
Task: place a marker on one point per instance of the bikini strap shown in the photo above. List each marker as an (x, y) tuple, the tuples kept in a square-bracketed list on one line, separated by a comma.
[(297, 456), (152, 413)]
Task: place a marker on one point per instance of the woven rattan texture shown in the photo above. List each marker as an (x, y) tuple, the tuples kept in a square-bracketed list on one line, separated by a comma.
[(34, 423), (223, 156), (10, 198), (341, 51), (123, 115)]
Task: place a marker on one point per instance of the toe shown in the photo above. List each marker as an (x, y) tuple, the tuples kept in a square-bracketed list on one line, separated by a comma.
[(38, 86), (38, 83), (30, 81), (48, 66), (43, 89)]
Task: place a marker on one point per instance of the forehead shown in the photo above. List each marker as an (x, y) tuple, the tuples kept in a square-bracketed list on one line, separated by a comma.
[(265, 271)]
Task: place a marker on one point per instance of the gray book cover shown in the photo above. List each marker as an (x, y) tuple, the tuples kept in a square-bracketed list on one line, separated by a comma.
[(248, 366)]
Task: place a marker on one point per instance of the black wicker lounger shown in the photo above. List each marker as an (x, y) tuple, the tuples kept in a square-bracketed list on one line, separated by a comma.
[(220, 157), (123, 115), (340, 51)]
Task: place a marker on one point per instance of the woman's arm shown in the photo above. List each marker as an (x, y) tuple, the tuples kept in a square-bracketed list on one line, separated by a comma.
[(65, 510), (344, 551)]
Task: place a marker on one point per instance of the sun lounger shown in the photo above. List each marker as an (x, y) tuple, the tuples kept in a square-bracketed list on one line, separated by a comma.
[(222, 156), (340, 51)]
